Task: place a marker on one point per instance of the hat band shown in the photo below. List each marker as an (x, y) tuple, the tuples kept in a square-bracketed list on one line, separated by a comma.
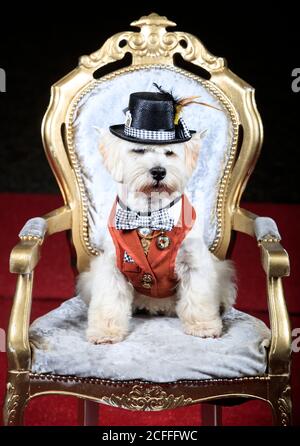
[(149, 134)]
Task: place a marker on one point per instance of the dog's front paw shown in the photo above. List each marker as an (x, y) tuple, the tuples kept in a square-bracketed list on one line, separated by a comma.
[(204, 329), (98, 336)]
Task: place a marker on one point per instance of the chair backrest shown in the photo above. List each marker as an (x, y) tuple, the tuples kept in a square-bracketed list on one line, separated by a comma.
[(81, 104)]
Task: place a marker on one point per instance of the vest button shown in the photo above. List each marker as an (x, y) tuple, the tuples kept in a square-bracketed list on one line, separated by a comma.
[(163, 242), (147, 281)]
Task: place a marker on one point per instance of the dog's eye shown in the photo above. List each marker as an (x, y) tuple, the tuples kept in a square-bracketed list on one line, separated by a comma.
[(169, 153), (141, 151)]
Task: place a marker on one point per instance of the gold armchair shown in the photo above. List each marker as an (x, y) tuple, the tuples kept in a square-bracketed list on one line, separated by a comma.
[(152, 47)]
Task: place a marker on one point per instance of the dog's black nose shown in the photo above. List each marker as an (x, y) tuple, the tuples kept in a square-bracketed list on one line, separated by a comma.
[(158, 173)]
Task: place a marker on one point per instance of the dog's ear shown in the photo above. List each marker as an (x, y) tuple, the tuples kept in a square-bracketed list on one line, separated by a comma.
[(110, 153), (191, 150)]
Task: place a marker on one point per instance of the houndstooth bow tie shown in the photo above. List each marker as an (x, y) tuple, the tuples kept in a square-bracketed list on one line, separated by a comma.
[(157, 220)]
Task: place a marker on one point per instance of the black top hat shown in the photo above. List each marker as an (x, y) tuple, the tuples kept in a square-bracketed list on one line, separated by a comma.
[(150, 118)]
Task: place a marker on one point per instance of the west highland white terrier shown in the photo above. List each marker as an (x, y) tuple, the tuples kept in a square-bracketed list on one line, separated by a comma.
[(154, 257)]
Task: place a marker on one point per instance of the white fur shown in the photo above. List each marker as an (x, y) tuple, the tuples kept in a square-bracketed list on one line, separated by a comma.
[(206, 284)]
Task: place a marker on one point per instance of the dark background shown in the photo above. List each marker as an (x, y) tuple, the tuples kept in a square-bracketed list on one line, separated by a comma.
[(39, 46)]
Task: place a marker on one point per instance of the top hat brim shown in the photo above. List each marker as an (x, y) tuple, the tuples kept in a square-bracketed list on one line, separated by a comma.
[(118, 130)]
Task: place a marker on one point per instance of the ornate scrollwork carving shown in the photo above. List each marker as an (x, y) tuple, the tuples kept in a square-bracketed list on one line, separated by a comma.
[(12, 402), (147, 398), (17, 394), (109, 52), (153, 44), (285, 406)]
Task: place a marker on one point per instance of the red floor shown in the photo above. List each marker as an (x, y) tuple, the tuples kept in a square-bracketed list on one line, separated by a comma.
[(54, 281)]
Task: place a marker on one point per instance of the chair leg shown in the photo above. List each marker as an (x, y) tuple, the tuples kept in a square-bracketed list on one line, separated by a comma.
[(282, 407), (211, 415), (17, 394), (88, 412)]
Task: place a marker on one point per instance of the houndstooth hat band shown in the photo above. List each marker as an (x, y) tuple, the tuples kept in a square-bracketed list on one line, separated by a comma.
[(149, 134), (151, 118)]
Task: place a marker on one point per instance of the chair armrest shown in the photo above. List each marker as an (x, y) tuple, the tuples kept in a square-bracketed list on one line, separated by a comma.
[(266, 229), (34, 229), (24, 257), (275, 259), (26, 254), (275, 262)]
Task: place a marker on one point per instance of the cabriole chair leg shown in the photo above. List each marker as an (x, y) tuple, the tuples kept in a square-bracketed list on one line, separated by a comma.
[(282, 407), (16, 398)]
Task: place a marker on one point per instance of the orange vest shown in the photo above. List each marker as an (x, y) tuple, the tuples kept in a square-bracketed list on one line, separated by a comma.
[(154, 274)]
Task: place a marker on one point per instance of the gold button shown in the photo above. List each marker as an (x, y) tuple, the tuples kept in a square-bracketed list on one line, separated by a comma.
[(163, 242), (147, 281)]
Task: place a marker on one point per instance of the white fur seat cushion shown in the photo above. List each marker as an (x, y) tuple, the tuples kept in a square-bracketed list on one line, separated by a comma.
[(156, 348)]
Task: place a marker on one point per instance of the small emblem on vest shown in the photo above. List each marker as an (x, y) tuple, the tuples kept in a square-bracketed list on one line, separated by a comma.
[(163, 242), (147, 281)]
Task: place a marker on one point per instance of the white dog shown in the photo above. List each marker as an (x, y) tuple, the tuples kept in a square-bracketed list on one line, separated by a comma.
[(205, 284)]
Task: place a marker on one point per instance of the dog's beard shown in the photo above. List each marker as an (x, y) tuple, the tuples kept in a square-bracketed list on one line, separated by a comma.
[(142, 182), (159, 187)]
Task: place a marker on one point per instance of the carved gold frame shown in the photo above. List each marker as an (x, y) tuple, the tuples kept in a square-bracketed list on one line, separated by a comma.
[(153, 45)]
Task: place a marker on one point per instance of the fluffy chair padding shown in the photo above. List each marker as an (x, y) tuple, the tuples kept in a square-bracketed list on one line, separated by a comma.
[(156, 348), (103, 106), (266, 227), (35, 227)]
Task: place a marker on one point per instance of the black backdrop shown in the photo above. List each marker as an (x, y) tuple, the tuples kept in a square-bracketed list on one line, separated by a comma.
[(40, 45)]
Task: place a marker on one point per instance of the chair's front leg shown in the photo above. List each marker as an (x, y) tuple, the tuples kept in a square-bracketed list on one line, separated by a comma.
[(280, 348), (18, 347), (275, 262), (19, 353), (280, 401), (24, 258), (16, 398)]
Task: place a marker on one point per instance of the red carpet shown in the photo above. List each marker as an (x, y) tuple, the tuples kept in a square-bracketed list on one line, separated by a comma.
[(54, 281)]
